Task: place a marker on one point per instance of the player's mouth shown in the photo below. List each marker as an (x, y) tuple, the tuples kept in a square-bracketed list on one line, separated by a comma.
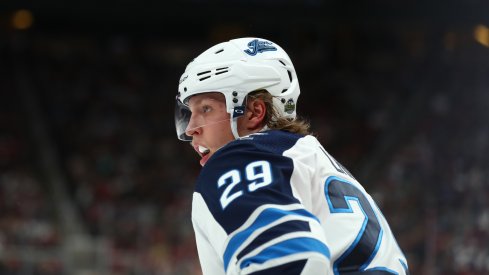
[(203, 152)]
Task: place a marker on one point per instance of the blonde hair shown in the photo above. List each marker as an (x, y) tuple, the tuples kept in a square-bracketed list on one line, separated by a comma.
[(274, 121)]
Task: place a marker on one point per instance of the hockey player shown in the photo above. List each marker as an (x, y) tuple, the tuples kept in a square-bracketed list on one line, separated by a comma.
[(269, 198)]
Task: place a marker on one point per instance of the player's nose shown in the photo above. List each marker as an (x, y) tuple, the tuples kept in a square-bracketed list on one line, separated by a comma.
[(193, 127)]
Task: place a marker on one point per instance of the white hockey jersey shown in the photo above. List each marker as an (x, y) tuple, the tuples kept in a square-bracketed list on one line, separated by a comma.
[(277, 203)]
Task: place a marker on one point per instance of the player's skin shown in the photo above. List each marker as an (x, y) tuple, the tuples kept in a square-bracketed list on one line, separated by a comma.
[(209, 124)]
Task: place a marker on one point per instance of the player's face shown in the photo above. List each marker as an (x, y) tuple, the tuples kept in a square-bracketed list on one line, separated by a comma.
[(209, 124)]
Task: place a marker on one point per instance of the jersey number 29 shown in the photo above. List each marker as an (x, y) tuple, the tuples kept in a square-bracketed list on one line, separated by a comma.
[(258, 174)]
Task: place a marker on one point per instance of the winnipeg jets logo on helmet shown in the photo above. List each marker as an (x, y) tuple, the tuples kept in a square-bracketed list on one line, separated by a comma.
[(257, 46)]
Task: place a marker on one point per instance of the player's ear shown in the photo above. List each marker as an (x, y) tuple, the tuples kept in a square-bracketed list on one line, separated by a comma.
[(255, 114)]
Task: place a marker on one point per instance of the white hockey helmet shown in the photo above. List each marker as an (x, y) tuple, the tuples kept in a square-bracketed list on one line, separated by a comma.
[(236, 68)]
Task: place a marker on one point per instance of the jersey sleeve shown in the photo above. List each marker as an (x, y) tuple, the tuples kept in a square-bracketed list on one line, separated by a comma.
[(266, 229)]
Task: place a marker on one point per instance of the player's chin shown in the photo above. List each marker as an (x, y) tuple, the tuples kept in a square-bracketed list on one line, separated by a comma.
[(204, 159)]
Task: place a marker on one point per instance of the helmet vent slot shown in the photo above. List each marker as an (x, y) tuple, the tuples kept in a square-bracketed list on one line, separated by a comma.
[(284, 90), (282, 62), (206, 72), (219, 51), (290, 75), (204, 78), (221, 72)]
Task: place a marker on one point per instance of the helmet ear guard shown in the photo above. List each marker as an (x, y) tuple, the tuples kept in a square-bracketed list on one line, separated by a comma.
[(238, 67)]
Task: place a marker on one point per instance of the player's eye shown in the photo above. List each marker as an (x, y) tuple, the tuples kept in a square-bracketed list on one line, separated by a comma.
[(206, 109)]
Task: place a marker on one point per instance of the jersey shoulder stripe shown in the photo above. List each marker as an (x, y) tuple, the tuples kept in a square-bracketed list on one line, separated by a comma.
[(294, 267), (285, 248), (266, 218), (275, 234)]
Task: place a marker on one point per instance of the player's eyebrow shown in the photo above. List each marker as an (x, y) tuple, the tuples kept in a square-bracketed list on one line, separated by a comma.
[(197, 100)]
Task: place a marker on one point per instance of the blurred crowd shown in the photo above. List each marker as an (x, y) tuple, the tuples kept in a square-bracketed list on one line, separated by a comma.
[(108, 106), (439, 177), (28, 225)]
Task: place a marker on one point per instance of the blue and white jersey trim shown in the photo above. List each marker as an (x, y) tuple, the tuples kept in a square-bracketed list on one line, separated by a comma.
[(294, 244), (267, 218)]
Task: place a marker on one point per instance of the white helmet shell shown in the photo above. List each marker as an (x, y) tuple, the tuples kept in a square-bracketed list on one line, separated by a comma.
[(238, 67)]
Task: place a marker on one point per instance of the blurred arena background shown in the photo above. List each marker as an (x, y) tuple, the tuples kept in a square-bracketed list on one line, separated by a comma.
[(94, 181)]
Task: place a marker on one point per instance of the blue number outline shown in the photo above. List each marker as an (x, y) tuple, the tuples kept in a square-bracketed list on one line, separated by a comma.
[(333, 209)]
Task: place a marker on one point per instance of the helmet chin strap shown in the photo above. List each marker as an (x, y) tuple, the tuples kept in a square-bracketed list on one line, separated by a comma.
[(234, 127), (237, 112), (234, 124)]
